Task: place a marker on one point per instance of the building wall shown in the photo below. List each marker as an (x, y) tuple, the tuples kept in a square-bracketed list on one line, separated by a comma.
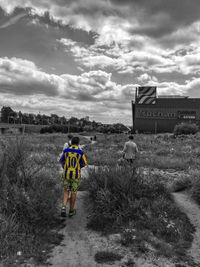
[(165, 114)]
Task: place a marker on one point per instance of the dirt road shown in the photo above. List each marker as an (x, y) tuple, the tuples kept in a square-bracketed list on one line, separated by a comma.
[(192, 210)]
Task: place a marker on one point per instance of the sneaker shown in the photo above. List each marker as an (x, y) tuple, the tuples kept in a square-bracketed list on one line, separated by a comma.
[(72, 213), (63, 212)]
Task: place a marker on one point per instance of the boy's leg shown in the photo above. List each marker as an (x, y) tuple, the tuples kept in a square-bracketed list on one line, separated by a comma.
[(72, 200), (65, 200), (66, 196), (72, 210), (75, 187)]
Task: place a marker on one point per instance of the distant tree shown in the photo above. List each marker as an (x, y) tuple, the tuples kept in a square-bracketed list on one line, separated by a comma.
[(25, 118), (7, 114), (63, 120), (54, 118), (73, 120), (88, 128), (31, 118)]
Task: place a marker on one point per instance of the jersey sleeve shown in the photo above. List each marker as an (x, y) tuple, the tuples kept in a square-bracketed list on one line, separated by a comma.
[(83, 161), (62, 158)]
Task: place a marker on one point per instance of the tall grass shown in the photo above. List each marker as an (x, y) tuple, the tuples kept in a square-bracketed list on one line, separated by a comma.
[(118, 198), (29, 197)]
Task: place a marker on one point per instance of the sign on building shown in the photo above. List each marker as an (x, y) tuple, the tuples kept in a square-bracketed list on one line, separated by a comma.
[(146, 95)]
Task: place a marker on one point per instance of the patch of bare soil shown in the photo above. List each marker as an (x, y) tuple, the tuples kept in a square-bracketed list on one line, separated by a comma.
[(192, 210)]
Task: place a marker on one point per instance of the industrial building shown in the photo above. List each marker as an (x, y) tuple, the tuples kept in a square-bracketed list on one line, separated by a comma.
[(157, 114)]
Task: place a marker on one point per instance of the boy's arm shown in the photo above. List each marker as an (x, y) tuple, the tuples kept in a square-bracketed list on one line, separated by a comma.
[(62, 159)]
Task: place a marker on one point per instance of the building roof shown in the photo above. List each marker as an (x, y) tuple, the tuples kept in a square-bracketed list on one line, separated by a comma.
[(187, 103), (172, 96)]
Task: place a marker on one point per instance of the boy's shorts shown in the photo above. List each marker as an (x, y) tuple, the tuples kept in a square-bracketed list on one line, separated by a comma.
[(71, 185)]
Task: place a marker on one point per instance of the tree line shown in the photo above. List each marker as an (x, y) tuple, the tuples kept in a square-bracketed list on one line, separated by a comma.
[(55, 123)]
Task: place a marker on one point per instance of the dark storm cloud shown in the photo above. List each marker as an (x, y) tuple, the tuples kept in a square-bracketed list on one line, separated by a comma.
[(159, 17), (77, 35), (35, 37), (155, 18)]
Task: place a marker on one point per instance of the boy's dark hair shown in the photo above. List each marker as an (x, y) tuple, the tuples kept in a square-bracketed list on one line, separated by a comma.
[(75, 140), (130, 137)]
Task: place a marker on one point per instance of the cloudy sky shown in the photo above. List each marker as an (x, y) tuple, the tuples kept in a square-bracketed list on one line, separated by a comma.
[(85, 57)]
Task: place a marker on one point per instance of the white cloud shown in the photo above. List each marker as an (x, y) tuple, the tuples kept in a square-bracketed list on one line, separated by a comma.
[(146, 78), (92, 93)]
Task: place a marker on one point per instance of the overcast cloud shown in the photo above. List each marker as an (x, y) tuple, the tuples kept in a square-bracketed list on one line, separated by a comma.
[(79, 58)]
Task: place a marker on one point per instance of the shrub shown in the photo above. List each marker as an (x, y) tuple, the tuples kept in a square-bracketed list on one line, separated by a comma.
[(60, 129), (29, 195), (185, 129), (119, 199), (118, 196)]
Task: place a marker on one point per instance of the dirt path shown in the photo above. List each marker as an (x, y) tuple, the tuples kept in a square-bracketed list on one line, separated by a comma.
[(192, 210), (79, 245)]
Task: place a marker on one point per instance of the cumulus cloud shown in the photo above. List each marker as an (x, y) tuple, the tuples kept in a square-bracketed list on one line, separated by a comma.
[(150, 59), (66, 94), (23, 77), (146, 78)]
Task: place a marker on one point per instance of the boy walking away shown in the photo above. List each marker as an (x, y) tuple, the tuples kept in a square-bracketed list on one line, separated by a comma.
[(72, 160), (130, 151)]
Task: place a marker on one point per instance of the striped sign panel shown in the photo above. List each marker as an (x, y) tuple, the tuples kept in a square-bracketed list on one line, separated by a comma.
[(146, 95)]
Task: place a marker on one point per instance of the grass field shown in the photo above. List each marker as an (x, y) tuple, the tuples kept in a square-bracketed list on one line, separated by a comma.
[(139, 206), (30, 196)]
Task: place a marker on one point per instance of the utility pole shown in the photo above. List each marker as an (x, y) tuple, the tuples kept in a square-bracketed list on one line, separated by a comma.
[(68, 126), (134, 110)]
